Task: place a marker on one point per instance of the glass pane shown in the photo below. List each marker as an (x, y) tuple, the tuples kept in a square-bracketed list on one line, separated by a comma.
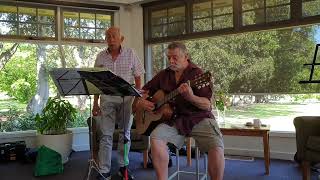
[(46, 16), (100, 34), (278, 13), (221, 22), (47, 31), (70, 32), (87, 33), (87, 20), (159, 31), (253, 17), (202, 25), (7, 28), (8, 17), (8, 9), (159, 58), (176, 29), (222, 7), (201, 10), (159, 17), (276, 2), (71, 19), (252, 4), (311, 8), (176, 14), (27, 14), (27, 29), (8, 13), (103, 21)]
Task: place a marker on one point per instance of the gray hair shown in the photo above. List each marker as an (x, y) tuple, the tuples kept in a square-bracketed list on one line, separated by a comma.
[(178, 45)]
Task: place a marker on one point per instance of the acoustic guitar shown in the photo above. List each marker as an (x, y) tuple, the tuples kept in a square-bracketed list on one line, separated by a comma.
[(147, 121)]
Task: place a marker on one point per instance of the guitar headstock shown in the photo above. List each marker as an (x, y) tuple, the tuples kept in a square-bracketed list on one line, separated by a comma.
[(201, 80)]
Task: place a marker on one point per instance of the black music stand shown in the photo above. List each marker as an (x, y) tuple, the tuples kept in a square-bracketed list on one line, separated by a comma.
[(69, 82), (312, 68), (91, 81), (110, 84)]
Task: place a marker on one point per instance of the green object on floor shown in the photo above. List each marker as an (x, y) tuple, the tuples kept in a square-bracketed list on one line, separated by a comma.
[(48, 162)]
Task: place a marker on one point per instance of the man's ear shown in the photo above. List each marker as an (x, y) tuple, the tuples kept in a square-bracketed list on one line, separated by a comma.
[(122, 38)]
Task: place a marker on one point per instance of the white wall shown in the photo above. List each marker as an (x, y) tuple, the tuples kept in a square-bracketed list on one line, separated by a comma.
[(282, 145), (130, 20)]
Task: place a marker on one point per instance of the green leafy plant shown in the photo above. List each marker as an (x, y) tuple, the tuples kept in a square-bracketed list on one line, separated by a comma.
[(55, 117)]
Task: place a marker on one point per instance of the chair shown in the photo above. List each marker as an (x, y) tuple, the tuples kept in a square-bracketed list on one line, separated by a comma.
[(308, 142), (199, 175), (139, 143)]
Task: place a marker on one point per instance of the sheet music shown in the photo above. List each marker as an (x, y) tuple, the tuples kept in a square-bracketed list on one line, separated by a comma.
[(110, 84), (91, 81), (69, 82)]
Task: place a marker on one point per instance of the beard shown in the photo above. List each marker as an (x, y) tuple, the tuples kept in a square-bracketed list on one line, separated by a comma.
[(174, 67)]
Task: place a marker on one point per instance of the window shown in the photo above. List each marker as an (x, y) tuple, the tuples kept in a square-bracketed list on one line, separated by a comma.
[(27, 21), (212, 15), (259, 73), (310, 8), (263, 11), (83, 25), (168, 22)]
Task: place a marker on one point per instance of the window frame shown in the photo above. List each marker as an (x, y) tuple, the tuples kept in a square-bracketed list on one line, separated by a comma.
[(295, 19), (30, 37), (58, 25), (79, 11)]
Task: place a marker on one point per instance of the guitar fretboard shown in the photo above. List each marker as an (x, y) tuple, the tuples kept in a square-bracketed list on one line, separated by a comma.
[(167, 98)]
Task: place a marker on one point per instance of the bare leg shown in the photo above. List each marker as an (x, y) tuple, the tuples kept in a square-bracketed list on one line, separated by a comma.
[(160, 158), (216, 163)]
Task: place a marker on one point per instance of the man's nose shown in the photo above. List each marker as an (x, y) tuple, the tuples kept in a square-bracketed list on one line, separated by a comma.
[(171, 60)]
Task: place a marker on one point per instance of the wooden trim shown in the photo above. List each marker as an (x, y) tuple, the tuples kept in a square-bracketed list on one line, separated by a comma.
[(92, 4)]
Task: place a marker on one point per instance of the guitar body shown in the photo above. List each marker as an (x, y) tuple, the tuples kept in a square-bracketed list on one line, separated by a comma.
[(147, 121)]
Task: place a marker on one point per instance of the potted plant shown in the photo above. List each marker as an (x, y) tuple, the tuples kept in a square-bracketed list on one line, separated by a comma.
[(52, 126)]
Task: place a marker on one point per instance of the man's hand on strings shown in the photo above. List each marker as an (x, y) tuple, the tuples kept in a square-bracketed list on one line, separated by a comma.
[(185, 90), (144, 103)]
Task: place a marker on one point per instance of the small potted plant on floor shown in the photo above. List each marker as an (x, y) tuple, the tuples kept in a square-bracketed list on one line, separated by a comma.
[(52, 126)]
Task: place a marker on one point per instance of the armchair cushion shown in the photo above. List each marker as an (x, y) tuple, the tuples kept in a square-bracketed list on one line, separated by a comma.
[(313, 143)]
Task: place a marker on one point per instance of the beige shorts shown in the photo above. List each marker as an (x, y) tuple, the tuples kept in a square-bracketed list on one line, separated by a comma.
[(206, 134)]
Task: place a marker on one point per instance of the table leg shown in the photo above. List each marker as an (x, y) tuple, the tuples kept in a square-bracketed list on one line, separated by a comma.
[(266, 152), (189, 160)]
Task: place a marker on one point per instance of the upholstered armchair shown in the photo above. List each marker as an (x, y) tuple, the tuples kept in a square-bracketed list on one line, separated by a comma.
[(308, 142), (139, 143)]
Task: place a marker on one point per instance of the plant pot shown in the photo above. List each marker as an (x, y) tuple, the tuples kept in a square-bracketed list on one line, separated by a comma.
[(61, 143)]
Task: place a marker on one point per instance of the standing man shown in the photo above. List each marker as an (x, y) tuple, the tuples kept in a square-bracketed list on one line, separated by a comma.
[(125, 63), (190, 114)]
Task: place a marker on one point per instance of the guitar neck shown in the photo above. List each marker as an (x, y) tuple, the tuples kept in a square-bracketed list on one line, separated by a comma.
[(167, 98)]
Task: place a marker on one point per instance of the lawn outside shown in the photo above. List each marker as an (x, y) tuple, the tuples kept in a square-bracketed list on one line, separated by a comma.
[(278, 116)]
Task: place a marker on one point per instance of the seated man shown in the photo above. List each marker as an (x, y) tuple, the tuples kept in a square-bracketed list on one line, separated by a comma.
[(189, 114)]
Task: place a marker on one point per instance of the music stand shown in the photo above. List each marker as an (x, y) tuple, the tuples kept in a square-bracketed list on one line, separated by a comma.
[(91, 81), (111, 84), (69, 82)]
